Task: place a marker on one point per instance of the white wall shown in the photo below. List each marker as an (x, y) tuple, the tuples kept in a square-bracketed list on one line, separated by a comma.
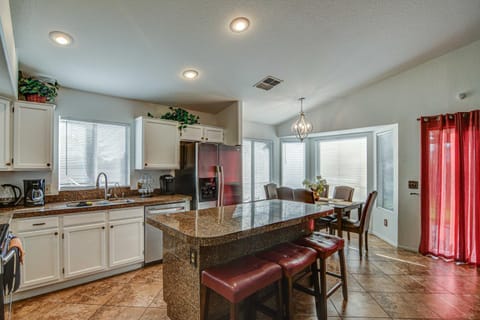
[(8, 46), (254, 130), (428, 89), (82, 105)]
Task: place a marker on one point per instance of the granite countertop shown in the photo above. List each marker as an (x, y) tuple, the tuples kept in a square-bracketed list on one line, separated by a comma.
[(57, 208), (219, 225)]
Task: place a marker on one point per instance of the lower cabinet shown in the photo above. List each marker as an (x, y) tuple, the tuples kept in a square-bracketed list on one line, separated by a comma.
[(84, 249), (42, 259), (61, 248), (126, 241)]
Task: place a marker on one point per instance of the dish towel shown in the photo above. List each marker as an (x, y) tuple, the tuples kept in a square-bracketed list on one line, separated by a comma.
[(17, 243)]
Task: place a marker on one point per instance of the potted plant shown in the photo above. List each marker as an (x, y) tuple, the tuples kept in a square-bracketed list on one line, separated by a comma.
[(317, 186), (180, 115), (36, 90)]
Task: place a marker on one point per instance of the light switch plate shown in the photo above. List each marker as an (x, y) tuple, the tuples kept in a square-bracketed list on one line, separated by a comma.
[(412, 184)]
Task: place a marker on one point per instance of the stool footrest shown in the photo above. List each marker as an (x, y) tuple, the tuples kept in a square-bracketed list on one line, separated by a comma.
[(333, 274), (304, 289), (333, 289)]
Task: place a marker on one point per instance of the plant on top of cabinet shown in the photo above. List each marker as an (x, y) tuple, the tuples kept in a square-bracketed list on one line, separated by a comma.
[(37, 90), (180, 115)]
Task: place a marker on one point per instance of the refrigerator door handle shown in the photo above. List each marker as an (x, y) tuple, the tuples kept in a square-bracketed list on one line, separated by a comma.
[(222, 190), (219, 170)]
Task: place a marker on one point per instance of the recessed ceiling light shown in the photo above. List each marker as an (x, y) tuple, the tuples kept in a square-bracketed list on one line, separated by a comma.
[(239, 24), (61, 38), (190, 74)]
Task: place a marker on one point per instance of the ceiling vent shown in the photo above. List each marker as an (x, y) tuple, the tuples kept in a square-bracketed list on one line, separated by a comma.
[(267, 83)]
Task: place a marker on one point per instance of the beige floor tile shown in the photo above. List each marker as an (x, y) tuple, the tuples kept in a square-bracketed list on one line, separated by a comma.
[(118, 313), (378, 283), (95, 293), (151, 274), (359, 304), (135, 295), (405, 305), (68, 312), (155, 314)]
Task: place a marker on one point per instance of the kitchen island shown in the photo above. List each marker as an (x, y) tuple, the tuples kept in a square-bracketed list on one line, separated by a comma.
[(198, 239)]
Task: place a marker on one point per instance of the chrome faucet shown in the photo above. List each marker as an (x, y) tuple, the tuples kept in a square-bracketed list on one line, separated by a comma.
[(106, 183)]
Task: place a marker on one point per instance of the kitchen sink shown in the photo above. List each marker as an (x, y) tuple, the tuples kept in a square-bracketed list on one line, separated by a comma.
[(98, 203)]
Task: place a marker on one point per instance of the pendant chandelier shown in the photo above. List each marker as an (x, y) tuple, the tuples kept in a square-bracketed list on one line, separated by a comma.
[(301, 127)]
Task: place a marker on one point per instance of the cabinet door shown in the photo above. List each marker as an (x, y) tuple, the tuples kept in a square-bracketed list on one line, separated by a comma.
[(84, 249), (33, 136), (42, 259), (5, 156), (126, 241), (213, 135), (192, 133), (161, 144)]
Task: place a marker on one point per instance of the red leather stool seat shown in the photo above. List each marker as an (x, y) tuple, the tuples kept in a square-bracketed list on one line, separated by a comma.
[(324, 244), (291, 257), (241, 278)]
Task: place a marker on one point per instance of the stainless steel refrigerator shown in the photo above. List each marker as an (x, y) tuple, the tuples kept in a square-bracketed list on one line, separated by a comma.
[(210, 173)]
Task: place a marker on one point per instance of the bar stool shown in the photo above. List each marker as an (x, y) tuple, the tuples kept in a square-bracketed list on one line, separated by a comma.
[(296, 262), (238, 280), (326, 245)]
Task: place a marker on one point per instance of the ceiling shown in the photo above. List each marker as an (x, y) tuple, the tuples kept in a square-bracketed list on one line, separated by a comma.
[(322, 49)]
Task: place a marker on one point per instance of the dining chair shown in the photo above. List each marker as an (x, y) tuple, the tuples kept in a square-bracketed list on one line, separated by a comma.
[(271, 191), (361, 225), (285, 193), (344, 193), (303, 195)]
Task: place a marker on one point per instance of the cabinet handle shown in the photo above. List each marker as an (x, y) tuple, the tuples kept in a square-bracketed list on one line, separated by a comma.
[(111, 227), (206, 139), (203, 138), (38, 224), (56, 233), (48, 164), (146, 164), (103, 227), (8, 164)]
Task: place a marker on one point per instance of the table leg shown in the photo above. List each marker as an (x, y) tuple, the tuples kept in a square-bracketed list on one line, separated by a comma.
[(339, 222)]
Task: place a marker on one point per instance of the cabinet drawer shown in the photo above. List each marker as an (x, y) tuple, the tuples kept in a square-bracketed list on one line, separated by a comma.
[(84, 218), (40, 223), (126, 213)]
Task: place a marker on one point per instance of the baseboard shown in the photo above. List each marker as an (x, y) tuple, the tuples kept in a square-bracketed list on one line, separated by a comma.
[(409, 248), (28, 293)]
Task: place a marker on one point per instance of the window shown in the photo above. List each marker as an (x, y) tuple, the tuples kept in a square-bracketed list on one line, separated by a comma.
[(343, 161), (385, 170), (293, 164), (87, 148), (257, 168)]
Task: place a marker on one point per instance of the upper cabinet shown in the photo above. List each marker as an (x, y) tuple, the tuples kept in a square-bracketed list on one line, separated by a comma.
[(33, 136), (157, 144), (5, 152), (202, 133)]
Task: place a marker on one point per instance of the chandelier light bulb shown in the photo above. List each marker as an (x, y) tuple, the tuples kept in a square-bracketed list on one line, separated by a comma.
[(301, 127)]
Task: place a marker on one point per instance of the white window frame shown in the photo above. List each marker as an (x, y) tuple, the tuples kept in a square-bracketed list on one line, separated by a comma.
[(252, 163), (306, 158), (128, 151), (377, 163)]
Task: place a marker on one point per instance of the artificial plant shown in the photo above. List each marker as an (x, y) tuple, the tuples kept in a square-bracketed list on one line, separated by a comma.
[(31, 86), (180, 115)]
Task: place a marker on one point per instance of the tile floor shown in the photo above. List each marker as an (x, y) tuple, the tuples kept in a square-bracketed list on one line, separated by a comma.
[(388, 284)]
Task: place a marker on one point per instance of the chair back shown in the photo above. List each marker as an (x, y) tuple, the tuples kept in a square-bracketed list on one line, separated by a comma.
[(344, 193), (271, 191), (285, 193), (303, 195), (367, 211)]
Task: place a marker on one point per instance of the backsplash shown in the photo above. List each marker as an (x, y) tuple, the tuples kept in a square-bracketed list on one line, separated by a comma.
[(90, 194)]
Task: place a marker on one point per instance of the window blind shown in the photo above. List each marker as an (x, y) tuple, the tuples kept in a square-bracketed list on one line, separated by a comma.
[(293, 164)]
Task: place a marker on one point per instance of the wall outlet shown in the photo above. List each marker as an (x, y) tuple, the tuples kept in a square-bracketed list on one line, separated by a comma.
[(48, 188), (385, 222), (412, 184)]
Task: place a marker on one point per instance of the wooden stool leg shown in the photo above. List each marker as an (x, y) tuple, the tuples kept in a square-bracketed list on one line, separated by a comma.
[(289, 296), (366, 240), (360, 243), (234, 311), (316, 287), (323, 290), (343, 274), (204, 297), (279, 300)]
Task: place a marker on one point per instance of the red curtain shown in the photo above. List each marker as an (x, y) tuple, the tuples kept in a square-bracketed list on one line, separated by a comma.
[(450, 186)]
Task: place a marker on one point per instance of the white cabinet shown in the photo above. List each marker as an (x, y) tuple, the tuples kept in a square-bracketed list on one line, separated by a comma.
[(157, 144), (5, 155), (41, 241), (202, 133), (33, 136), (126, 236), (85, 244)]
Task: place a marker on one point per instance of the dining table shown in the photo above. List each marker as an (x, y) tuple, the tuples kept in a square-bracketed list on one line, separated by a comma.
[(341, 208)]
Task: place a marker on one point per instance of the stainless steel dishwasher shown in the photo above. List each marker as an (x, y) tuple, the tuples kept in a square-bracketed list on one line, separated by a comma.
[(154, 236)]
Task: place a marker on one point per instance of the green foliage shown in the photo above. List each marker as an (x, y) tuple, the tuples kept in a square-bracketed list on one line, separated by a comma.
[(180, 115), (316, 186), (28, 85)]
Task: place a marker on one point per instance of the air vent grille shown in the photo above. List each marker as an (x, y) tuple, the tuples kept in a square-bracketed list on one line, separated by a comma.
[(267, 83)]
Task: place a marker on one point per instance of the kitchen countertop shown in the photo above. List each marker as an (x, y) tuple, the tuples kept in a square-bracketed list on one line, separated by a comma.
[(57, 208), (223, 224)]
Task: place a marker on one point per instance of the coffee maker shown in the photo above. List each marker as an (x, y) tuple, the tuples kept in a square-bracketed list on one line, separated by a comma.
[(167, 184), (34, 192)]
